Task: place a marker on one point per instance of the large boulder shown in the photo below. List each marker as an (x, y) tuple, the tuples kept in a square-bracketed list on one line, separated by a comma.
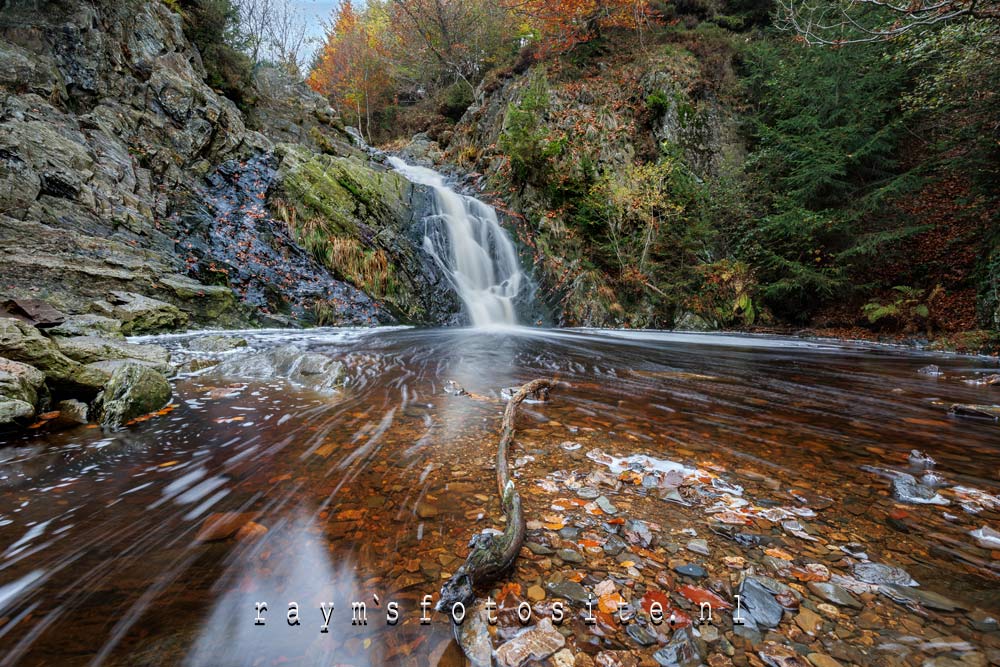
[(21, 381), (141, 314), (132, 391), (19, 341), (21, 386), (88, 325), (90, 349)]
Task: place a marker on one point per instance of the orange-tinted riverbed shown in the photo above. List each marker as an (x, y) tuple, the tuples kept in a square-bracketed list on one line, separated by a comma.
[(106, 555)]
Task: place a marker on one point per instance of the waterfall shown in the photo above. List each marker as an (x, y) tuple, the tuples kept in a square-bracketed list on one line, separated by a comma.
[(466, 240)]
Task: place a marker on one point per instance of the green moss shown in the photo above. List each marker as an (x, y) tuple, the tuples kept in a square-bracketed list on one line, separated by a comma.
[(345, 213)]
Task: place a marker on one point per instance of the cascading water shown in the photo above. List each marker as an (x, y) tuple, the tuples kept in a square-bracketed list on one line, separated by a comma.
[(466, 239)]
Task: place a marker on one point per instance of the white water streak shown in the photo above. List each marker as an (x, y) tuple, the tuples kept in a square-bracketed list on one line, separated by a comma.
[(466, 239)]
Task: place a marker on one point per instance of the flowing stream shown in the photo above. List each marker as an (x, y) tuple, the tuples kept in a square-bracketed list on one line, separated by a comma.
[(466, 240), (268, 482)]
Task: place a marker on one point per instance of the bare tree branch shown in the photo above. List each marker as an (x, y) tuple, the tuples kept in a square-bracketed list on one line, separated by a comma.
[(858, 21)]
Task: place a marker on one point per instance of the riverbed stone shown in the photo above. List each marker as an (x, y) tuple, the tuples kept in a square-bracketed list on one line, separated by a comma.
[(691, 570), (568, 590), (682, 651), (760, 603), (880, 573), (132, 390), (569, 556), (534, 644), (71, 413), (835, 594), (310, 370)]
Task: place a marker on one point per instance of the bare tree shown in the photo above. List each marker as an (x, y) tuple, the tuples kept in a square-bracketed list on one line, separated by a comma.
[(256, 18), (287, 37), (855, 21)]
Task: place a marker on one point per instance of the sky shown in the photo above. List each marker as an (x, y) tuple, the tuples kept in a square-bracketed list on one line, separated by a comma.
[(315, 13)]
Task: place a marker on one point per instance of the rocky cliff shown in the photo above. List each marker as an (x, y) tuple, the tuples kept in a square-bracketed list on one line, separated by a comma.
[(121, 170), (555, 141)]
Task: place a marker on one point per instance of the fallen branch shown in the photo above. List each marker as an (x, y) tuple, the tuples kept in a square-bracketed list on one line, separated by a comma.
[(492, 554)]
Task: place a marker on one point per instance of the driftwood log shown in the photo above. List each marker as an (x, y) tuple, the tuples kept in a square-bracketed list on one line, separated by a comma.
[(492, 554)]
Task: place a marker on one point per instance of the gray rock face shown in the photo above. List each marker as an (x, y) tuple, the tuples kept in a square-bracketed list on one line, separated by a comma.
[(106, 128), (133, 390), (88, 325), (141, 314), (21, 342), (88, 349), (21, 382)]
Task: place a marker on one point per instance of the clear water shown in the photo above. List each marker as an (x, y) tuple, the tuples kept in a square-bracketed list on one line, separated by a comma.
[(376, 489)]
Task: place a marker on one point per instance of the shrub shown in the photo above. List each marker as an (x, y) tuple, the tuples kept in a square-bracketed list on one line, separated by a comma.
[(910, 308), (211, 26)]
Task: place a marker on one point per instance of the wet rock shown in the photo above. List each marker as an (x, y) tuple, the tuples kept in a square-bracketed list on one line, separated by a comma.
[(879, 573), (569, 556), (682, 651), (71, 413), (563, 658), (474, 637), (14, 412), (983, 621), (778, 655), (835, 594), (990, 412), (698, 547), (606, 506), (615, 659), (907, 489), (568, 590), (133, 390), (637, 532), (924, 598), (691, 570), (223, 525), (985, 537), (216, 343), (539, 549), (930, 369), (760, 604), (536, 593), (21, 342), (306, 369), (822, 660), (90, 349), (640, 635), (21, 382), (88, 325), (808, 620), (426, 510), (536, 643), (614, 545), (140, 314), (920, 461)]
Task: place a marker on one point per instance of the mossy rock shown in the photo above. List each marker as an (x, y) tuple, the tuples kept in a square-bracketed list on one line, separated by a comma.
[(133, 390), (360, 222)]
